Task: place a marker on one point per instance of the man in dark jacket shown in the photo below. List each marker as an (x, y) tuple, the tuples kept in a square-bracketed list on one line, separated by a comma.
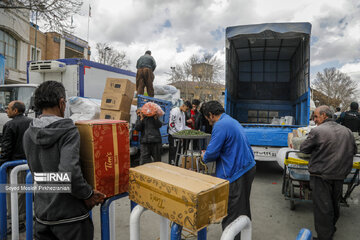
[(12, 149), (351, 119), (145, 74), (332, 148), (150, 138), (193, 115), (52, 144), (13, 132)]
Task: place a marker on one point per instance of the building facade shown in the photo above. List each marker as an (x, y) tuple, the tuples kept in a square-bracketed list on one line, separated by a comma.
[(21, 41)]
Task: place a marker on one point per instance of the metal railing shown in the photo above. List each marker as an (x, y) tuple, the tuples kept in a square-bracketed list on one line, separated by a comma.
[(240, 225)]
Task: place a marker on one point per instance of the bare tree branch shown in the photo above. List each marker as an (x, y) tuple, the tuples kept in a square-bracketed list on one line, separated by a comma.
[(337, 86), (56, 14), (110, 56)]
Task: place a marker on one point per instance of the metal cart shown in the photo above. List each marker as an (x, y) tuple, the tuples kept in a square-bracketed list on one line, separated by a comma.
[(296, 179)]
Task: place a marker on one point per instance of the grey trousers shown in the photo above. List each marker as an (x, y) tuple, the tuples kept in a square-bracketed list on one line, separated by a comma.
[(239, 198)]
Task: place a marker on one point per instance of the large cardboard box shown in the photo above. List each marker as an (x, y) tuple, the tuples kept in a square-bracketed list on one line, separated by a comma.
[(121, 86), (116, 101), (188, 198), (114, 115), (105, 155)]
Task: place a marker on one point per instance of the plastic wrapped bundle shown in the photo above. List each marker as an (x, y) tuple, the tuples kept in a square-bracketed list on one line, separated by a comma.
[(297, 141), (151, 109), (84, 108)]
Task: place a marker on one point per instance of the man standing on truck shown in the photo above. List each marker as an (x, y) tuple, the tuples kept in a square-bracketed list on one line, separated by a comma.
[(330, 162), (12, 149), (145, 74), (52, 144), (176, 124), (234, 158), (351, 119)]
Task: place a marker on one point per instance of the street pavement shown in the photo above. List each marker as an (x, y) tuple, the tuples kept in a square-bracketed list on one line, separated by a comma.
[(271, 214)]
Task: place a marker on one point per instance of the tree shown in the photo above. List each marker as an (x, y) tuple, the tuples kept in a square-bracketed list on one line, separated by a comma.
[(337, 86), (110, 56), (56, 14), (202, 73)]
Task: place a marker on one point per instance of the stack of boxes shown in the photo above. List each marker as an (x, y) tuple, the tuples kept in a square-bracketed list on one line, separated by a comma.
[(117, 98)]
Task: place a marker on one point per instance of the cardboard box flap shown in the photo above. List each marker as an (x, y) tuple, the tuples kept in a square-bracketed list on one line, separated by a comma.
[(99, 121), (188, 180)]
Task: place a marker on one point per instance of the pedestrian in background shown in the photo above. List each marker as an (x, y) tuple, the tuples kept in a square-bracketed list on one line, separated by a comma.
[(193, 116), (176, 123), (332, 148), (234, 158), (12, 149), (150, 141), (145, 74), (351, 119)]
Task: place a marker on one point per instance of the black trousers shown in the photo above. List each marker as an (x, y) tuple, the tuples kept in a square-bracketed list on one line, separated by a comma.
[(326, 195), (148, 150), (239, 198), (81, 230), (172, 149)]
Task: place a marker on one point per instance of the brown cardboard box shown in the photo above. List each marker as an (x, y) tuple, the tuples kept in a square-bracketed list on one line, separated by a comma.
[(187, 164), (134, 101), (105, 155), (114, 115), (188, 198), (116, 101), (121, 86)]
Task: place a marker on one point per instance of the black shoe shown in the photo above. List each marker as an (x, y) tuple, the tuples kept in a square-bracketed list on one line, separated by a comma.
[(315, 238)]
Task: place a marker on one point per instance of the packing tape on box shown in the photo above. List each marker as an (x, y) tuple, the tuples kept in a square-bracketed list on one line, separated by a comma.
[(116, 159)]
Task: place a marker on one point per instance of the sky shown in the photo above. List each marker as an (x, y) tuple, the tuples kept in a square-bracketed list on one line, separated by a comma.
[(176, 29)]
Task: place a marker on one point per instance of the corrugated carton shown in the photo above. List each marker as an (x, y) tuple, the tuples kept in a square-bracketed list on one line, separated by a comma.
[(121, 86), (105, 155), (116, 101), (191, 199), (114, 115)]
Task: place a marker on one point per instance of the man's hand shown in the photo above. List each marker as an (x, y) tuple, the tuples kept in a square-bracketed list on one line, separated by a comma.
[(189, 121), (202, 154), (96, 198)]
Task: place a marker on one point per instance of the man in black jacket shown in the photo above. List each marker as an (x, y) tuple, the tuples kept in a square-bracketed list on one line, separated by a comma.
[(52, 144), (351, 119), (12, 149), (332, 148), (150, 138)]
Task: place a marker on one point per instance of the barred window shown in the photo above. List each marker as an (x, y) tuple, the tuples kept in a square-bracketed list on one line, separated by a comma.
[(8, 48)]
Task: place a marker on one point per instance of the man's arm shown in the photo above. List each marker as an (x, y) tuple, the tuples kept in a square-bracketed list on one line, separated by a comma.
[(217, 141), (154, 65), (8, 140), (341, 118), (158, 123), (139, 125), (173, 123), (309, 144)]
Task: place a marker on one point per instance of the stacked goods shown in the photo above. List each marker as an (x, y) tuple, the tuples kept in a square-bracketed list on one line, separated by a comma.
[(105, 155), (297, 137), (150, 109), (117, 99), (190, 133), (192, 200)]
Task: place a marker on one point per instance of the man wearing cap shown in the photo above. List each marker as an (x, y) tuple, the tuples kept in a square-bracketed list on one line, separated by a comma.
[(351, 119), (145, 74)]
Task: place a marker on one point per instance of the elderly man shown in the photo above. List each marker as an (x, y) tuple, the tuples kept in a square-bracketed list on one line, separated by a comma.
[(332, 148), (12, 149)]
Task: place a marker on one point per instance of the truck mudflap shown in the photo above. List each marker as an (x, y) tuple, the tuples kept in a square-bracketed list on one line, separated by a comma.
[(263, 153)]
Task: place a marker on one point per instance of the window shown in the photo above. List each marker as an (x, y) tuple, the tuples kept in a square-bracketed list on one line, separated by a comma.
[(8, 47), (38, 54)]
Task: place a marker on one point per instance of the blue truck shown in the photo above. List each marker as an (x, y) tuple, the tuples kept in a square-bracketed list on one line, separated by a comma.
[(268, 81)]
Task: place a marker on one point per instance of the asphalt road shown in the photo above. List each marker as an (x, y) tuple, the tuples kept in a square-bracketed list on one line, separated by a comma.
[(271, 214)]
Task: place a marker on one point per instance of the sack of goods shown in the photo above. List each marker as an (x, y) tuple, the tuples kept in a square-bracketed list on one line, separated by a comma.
[(151, 109)]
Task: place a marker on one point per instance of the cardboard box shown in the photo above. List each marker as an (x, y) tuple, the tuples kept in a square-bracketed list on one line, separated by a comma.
[(188, 198), (114, 115), (121, 86), (105, 155), (134, 101), (115, 101), (187, 164)]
